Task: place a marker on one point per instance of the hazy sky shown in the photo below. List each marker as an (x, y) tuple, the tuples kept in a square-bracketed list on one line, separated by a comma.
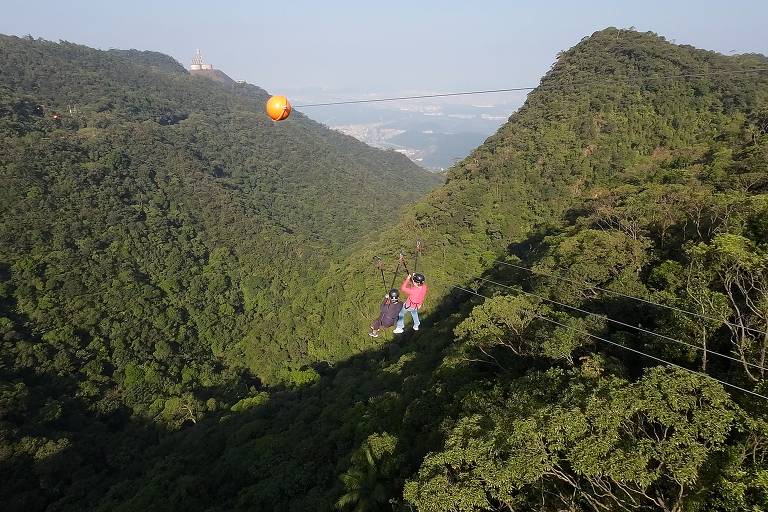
[(386, 46)]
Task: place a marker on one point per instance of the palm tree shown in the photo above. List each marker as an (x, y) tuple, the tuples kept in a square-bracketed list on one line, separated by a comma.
[(365, 489)]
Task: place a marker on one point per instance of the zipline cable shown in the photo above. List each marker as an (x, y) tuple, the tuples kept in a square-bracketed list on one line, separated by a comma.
[(519, 89), (619, 322), (417, 97), (619, 345), (620, 294)]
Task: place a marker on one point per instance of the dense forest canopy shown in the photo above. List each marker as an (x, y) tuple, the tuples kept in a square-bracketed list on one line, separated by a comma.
[(638, 167), (164, 212), (157, 228)]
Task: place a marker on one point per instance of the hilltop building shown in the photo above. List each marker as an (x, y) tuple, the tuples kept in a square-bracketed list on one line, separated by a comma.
[(200, 68), (198, 63)]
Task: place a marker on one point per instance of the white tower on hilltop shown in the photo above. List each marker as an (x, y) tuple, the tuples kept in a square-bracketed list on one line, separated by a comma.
[(198, 64)]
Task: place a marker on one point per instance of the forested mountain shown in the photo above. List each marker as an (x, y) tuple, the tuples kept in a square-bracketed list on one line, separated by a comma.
[(182, 191), (638, 167), (156, 228)]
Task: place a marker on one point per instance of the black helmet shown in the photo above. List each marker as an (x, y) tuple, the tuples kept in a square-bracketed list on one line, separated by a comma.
[(394, 295), (418, 278)]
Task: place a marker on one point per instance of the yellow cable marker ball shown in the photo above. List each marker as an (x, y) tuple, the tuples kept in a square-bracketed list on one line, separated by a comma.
[(278, 108)]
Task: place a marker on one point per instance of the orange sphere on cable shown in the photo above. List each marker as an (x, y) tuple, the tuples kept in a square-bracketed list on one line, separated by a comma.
[(278, 108)]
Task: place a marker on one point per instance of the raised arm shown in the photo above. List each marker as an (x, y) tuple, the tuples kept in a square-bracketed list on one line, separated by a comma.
[(406, 286)]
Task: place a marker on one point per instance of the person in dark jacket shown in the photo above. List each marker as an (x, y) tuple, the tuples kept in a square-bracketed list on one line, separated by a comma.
[(388, 313)]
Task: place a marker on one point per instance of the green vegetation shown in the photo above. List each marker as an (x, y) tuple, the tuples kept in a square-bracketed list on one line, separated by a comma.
[(613, 179), (163, 217), (157, 235)]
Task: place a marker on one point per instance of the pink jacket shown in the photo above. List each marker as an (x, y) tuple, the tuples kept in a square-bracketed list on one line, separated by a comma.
[(415, 293)]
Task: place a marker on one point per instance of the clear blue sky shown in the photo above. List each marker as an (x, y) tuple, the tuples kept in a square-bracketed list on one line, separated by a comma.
[(385, 46)]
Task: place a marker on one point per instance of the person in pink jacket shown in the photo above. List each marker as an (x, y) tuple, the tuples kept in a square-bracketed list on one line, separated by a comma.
[(416, 289)]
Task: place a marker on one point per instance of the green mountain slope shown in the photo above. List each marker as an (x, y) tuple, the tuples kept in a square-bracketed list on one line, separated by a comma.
[(609, 176), (603, 117), (182, 190), (156, 228), (637, 166)]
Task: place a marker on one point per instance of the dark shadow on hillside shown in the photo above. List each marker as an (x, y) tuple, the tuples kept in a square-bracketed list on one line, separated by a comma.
[(71, 455), (284, 455), (287, 454)]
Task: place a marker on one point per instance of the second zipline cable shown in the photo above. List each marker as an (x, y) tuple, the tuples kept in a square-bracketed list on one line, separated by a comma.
[(624, 324), (631, 297), (630, 349)]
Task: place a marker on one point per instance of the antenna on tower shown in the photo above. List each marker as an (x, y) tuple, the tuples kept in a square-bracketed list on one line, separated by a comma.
[(198, 58)]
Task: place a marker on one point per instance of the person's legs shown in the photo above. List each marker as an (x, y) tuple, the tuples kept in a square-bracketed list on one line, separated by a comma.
[(400, 320), (415, 316)]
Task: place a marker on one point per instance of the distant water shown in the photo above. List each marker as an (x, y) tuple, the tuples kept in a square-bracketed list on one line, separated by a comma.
[(434, 135)]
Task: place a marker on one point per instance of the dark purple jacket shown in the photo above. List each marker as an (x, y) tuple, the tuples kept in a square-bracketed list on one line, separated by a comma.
[(389, 313)]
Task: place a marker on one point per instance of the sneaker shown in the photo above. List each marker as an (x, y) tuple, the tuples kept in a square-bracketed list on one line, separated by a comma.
[(397, 330), (415, 327), (373, 334)]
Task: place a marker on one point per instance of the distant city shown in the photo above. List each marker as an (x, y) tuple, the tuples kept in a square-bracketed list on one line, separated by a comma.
[(433, 133)]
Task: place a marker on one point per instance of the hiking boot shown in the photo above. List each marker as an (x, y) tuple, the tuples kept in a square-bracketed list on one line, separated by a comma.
[(397, 330)]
